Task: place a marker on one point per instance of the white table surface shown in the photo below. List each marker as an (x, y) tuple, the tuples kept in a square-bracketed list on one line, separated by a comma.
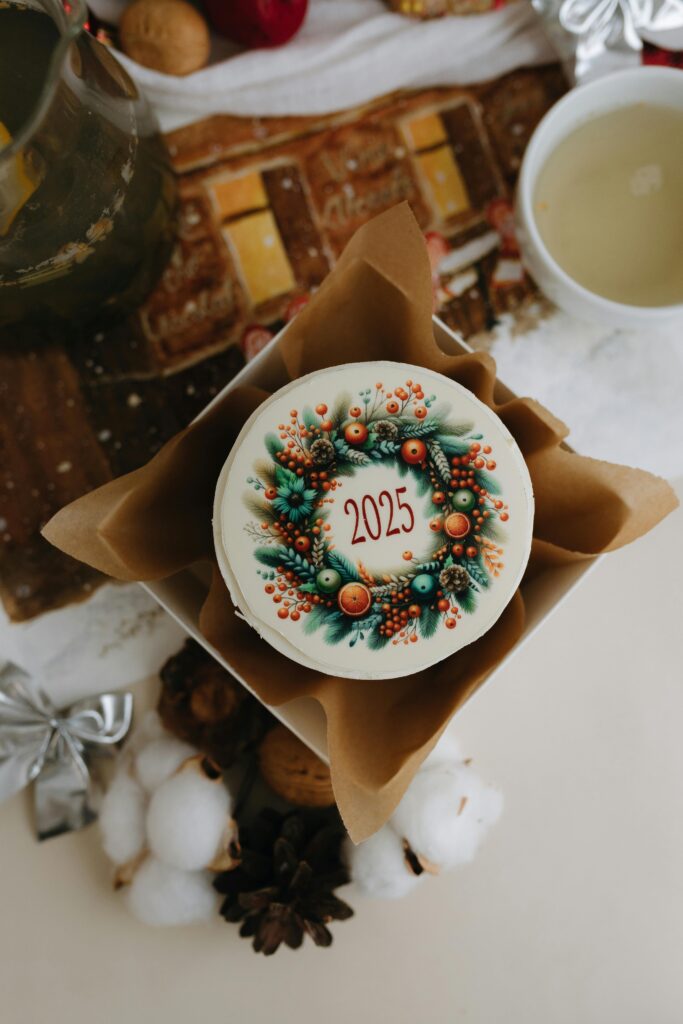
[(572, 914)]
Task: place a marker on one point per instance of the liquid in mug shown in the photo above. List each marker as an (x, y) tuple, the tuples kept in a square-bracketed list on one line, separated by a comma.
[(608, 205)]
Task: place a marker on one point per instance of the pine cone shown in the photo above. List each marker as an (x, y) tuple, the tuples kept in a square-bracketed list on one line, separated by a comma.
[(202, 703), (284, 885), (386, 430), (454, 578), (322, 452)]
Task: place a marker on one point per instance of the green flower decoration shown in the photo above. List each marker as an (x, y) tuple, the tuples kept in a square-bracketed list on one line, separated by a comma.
[(295, 500)]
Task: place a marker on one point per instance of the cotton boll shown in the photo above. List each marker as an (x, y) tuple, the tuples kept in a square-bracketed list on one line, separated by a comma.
[(122, 819), (446, 751), (445, 814), (159, 759), (378, 866), (163, 895), (151, 726), (186, 819), (147, 729)]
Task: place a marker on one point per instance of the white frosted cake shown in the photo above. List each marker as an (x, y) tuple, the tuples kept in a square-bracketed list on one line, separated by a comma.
[(373, 519)]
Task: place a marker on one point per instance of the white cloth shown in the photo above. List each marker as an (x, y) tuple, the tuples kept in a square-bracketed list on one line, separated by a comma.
[(118, 637), (347, 53)]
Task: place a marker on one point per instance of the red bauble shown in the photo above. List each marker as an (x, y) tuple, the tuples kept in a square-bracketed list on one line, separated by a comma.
[(457, 525), (413, 451), (256, 23), (356, 433), (295, 306), (302, 544), (354, 599)]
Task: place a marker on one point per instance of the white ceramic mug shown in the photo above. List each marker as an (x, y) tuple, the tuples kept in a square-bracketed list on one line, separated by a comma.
[(656, 85)]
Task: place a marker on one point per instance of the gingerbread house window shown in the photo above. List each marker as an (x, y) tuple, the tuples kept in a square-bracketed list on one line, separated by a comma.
[(454, 160), (268, 226)]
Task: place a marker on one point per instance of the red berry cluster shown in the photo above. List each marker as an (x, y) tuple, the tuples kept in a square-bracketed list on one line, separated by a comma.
[(293, 602)]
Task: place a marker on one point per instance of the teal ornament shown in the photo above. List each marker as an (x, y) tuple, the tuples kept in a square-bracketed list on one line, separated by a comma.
[(328, 580), (424, 586), (463, 500)]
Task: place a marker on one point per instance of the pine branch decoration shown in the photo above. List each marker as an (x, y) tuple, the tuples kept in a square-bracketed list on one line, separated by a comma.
[(417, 429), (476, 572), (344, 566), (287, 557), (439, 460), (356, 458), (318, 553)]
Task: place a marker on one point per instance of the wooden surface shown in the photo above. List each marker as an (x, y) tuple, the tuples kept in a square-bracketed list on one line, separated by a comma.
[(266, 207)]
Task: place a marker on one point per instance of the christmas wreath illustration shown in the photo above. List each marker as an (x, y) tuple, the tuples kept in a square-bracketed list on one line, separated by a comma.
[(293, 490)]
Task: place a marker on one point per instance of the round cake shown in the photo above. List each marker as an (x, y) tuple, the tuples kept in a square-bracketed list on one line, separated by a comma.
[(373, 519)]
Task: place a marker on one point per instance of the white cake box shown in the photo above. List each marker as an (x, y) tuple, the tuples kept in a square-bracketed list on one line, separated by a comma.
[(183, 594)]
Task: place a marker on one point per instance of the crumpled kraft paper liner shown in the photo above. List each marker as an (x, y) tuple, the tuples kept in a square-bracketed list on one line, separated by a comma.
[(376, 304)]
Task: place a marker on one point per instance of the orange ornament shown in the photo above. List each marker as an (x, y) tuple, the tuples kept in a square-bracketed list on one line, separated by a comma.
[(392, 406), (354, 599), (321, 409), (356, 433), (270, 493), (302, 544), (413, 451), (414, 611), (326, 425), (438, 497), (457, 525), (355, 411)]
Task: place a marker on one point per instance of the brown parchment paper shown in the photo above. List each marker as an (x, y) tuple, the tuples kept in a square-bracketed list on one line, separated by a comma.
[(376, 304)]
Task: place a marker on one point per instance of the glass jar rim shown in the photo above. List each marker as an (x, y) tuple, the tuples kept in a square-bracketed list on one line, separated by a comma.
[(75, 16)]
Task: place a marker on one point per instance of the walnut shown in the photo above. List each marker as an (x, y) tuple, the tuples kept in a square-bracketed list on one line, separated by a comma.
[(166, 35), (293, 771)]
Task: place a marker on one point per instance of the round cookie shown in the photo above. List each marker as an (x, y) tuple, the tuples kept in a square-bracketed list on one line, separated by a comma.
[(372, 519)]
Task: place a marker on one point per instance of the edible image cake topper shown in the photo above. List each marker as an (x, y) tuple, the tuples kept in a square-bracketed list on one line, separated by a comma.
[(373, 519)]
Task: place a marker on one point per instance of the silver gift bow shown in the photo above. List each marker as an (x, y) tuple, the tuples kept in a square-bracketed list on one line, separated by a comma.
[(40, 744), (597, 21), (597, 36)]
